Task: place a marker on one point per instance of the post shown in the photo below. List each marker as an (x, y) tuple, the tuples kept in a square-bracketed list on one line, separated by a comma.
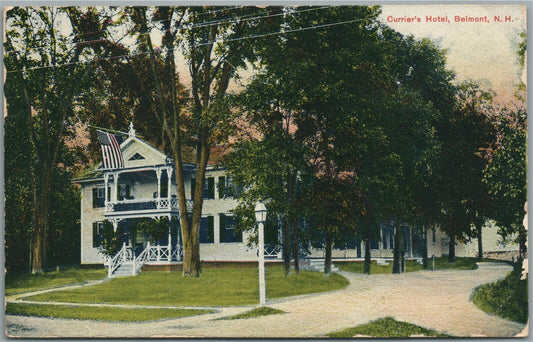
[(158, 174), (169, 185), (433, 262), (262, 290)]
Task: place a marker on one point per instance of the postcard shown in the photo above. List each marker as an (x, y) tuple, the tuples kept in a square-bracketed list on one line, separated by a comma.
[(266, 171)]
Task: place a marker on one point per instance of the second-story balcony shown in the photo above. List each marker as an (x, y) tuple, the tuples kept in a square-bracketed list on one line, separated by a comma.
[(134, 206), (165, 204)]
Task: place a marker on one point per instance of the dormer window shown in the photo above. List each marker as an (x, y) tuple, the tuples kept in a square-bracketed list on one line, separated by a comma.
[(136, 156)]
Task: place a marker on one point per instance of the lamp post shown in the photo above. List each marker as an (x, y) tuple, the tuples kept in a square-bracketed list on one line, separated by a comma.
[(260, 217)]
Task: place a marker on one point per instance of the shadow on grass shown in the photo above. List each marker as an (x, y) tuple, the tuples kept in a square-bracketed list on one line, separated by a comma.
[(262, 311), (100, 313)]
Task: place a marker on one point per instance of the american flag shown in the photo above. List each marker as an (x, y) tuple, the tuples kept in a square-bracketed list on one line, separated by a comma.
[(111, 152)]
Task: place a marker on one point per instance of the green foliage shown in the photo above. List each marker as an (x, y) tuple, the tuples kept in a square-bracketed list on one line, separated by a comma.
[(507, 298), (20, 282), (216, 287), (386, 327), (262, 311), (111, 240), (110, 314), (506, 174), (157, 229)]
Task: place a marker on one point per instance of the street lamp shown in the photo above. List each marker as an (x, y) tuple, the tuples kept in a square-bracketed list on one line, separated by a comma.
[(260, 217)]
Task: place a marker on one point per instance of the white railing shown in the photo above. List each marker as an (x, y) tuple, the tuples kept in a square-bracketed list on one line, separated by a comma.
[(122, 256), (149, 254)]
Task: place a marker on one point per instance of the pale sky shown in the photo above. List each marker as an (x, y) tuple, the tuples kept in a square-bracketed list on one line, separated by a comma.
[(480, 51)]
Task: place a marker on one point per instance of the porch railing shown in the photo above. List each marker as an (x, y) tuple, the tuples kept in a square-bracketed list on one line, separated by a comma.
[(149, 254), (145, 204), (121, 257)]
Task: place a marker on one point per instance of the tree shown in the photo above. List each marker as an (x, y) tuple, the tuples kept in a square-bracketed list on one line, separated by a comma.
[(210, 39), (465, 138), (45, 76), (505, 175)]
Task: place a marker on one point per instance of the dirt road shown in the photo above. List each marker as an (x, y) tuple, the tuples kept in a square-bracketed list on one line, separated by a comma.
[(437, 300)]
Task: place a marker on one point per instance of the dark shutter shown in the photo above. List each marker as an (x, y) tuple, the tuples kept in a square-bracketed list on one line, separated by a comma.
[(221, 187), (211, 229), (95, 235), (95, 197), (193, 186), (222, 227)]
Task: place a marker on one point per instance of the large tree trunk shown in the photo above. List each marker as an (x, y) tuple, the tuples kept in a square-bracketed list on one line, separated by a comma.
[(425, 247), (295, 247), (367, 254), (479, 243), (451, 249), (286, 246), (402, 250), (327, 258), (396, 253)]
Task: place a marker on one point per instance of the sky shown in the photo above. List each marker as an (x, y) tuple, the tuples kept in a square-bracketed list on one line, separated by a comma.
[(483, 50)]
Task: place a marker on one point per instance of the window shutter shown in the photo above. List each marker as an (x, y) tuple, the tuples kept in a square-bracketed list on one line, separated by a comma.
[(193, 186), (95, 197), (211, 187), (210, 229), (221, 187), (95, 234), (222, 227)]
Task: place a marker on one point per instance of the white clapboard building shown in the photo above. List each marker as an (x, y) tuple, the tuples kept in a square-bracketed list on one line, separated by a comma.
[(136, 182)]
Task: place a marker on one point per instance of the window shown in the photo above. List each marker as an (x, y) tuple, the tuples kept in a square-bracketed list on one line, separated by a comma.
[(124, 192), (206, 230), (97, 234), (98, 197), (388, 236), (228, 229), (374, 244), (136, 156), (209, 188)]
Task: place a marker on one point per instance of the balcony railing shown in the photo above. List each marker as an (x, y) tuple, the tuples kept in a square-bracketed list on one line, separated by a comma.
[(155, 204), (143, 205)]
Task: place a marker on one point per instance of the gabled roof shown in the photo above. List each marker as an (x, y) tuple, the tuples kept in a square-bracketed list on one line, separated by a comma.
[(138, 152)]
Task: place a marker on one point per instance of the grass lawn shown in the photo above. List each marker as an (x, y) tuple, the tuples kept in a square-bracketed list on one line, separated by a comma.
[(507, 298), (19, 283), (386, 327), (262, 311), (215, 287), (410, 265), (99, 313)]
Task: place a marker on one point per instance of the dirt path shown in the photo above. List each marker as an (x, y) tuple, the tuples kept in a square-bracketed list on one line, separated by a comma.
[(437, 300)]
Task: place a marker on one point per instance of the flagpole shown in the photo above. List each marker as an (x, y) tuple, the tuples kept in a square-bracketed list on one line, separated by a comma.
[(112, 130)]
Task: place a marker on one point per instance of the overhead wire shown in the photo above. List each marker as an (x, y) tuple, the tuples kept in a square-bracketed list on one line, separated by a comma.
[(285, 31)]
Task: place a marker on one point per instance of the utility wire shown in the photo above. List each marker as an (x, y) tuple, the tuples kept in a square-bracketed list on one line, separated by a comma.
[(192, 26), (201, 44)]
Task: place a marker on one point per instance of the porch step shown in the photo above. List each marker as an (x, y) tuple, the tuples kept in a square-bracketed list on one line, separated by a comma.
[(316, 265), (125, 269)]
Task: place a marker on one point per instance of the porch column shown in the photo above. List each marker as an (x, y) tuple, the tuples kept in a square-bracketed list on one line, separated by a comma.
[(115, 180), (115, 225), (158, 174), (410, 242), (169, 239), (106, 181), (380, 240), (169, 175)]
